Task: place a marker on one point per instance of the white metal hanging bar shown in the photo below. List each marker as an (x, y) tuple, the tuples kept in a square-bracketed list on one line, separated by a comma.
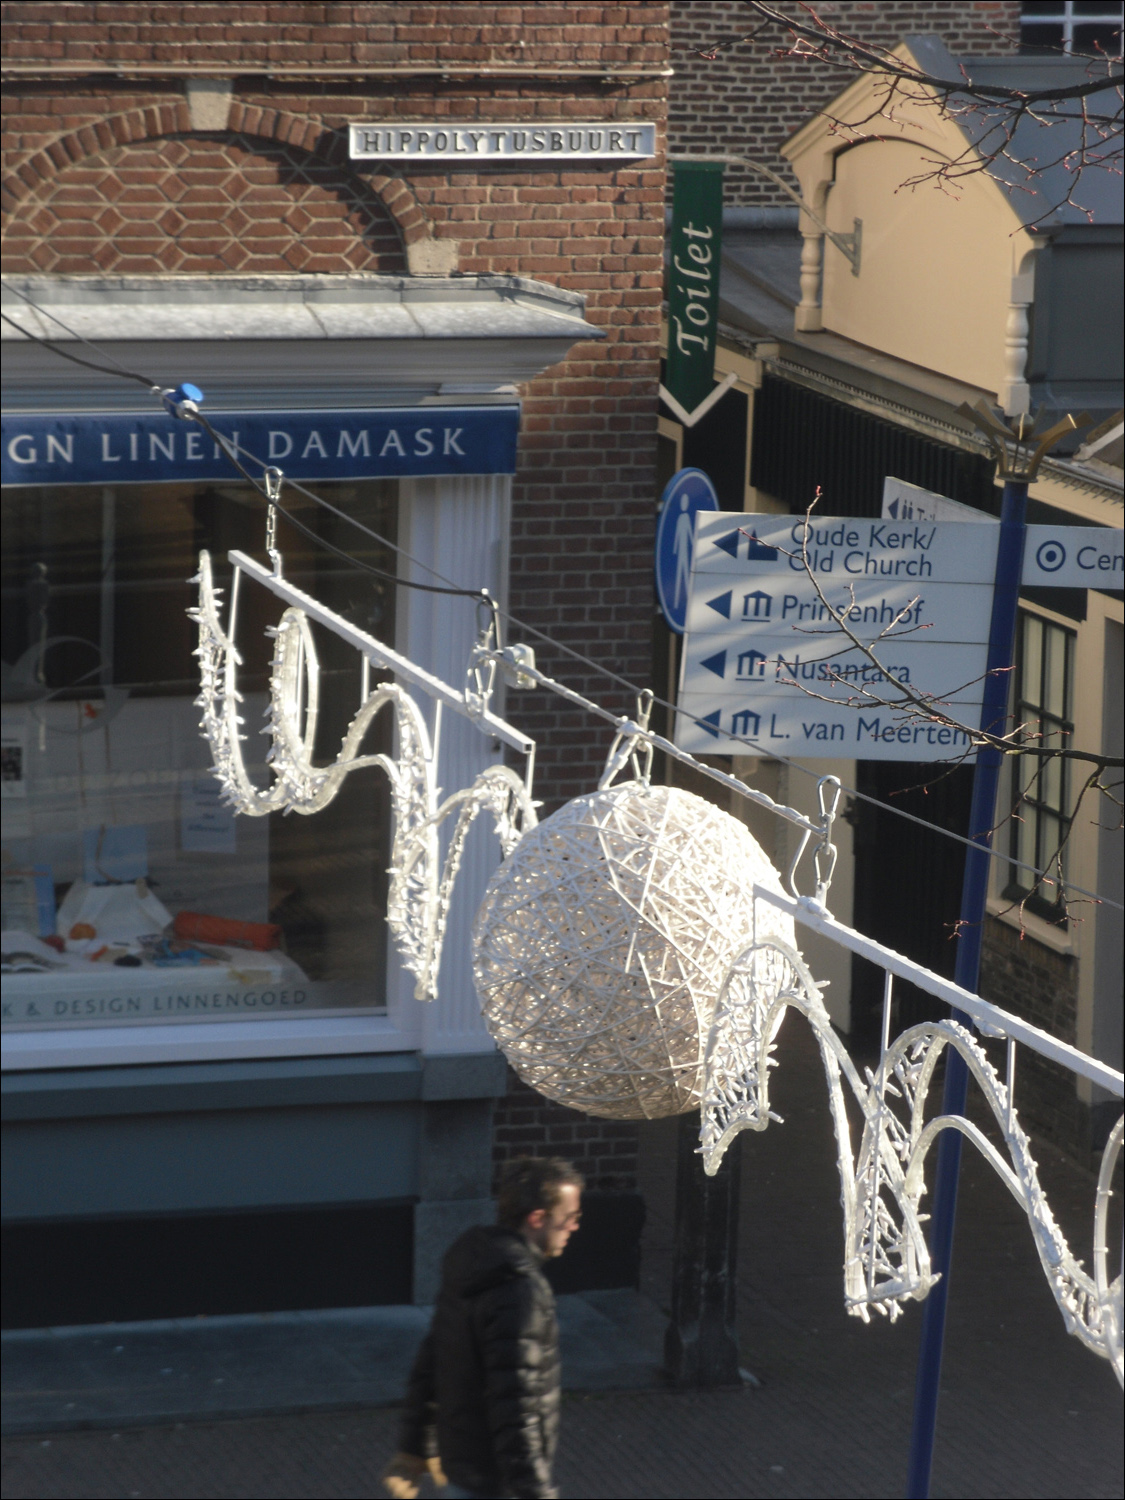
[(379, 654), (630, 734)]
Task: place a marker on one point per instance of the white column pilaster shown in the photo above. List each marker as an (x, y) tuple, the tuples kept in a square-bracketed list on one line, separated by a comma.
[(459, 526)]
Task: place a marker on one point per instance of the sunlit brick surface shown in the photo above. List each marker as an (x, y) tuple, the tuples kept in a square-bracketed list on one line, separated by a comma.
[(195, 204)]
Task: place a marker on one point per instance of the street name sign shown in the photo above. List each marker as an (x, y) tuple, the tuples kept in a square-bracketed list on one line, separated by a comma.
[(764, 660), (473, 143)]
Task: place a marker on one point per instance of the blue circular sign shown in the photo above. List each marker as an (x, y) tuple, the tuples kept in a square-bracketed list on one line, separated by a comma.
[(1050, 556), (685, 493)]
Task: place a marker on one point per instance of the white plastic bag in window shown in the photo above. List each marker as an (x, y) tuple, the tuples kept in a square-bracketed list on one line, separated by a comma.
[(117, 913)]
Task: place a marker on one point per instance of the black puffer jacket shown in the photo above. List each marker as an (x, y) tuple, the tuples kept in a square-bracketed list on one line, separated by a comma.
[(487, 1374)]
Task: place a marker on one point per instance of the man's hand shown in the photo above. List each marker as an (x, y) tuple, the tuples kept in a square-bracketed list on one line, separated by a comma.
[(403, 1476), (437, 1473)]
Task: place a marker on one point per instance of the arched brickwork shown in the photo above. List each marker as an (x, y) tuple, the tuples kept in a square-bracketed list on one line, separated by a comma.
[(203, 204), (140, 192)]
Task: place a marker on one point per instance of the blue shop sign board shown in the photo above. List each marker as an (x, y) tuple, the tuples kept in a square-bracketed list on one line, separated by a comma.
[(157, 448)]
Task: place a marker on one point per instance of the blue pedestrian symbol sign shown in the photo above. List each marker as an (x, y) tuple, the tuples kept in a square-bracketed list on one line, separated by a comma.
[(686, 493)]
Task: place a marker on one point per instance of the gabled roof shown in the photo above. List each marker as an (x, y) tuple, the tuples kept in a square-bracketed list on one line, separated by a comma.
[(1042, 140)]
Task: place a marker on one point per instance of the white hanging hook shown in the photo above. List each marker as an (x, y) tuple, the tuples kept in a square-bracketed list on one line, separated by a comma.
[(488, 626), (824, 858), (273, 478), (642, 749), (481, 674)]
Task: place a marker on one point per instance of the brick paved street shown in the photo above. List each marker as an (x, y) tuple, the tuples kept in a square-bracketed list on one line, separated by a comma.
[(1025, 1411)]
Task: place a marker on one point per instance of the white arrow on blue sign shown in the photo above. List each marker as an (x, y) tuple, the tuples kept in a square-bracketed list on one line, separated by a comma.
[(685, 494)]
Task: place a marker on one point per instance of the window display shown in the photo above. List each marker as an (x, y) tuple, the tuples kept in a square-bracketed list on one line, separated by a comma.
[(130, 891)]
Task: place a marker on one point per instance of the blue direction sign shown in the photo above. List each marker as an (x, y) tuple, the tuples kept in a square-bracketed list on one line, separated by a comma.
[(685, 494)]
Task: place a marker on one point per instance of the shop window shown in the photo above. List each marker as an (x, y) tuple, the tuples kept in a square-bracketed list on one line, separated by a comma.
[(1044, 703), (124, 875), (1087, 27)]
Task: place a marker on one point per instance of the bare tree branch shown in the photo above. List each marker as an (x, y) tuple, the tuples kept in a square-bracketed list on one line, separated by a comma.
[(908, 703), (1089, 127)]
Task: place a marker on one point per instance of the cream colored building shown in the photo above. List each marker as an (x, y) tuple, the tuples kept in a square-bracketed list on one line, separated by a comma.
[(852, 352)]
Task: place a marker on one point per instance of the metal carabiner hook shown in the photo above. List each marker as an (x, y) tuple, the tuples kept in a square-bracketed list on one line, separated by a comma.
[(273, 478), (488, 626), (642, 758)]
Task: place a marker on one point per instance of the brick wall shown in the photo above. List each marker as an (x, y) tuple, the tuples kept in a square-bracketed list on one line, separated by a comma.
[(1028, 979), (753, 96), (201, 206), (526, 1124)]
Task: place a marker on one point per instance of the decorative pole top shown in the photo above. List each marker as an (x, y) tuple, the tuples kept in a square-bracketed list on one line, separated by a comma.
[(1019, 449)]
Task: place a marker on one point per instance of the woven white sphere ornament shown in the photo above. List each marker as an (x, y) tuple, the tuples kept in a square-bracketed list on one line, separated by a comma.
[(603, 938)]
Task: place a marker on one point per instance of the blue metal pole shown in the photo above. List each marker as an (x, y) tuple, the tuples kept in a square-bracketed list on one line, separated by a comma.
[(974, 892)]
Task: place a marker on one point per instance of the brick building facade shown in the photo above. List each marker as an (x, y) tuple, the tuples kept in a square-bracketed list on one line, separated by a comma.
[(193, 141), (116, 163)]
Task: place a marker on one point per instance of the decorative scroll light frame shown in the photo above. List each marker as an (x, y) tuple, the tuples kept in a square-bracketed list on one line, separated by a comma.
[(886, 1260), (421, 882)]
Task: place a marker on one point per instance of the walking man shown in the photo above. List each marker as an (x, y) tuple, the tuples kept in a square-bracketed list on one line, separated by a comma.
[(482, 1404)]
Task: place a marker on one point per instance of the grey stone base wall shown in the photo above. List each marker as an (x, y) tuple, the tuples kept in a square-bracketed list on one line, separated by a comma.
[(436, 1225)]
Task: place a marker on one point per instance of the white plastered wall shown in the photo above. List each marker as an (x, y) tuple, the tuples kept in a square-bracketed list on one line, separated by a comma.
[(935, 269), (946, 271)]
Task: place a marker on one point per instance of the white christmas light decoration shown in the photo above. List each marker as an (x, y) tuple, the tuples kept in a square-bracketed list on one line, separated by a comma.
[(602, 941), (421, 882), (886, 1260), (625, 962)]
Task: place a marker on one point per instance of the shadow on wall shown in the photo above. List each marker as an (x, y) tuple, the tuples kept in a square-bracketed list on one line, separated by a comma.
[(126, 1270)]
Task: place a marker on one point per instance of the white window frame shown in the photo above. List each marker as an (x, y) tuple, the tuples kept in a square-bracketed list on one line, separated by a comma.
[(1066, 15), (469, 338)]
